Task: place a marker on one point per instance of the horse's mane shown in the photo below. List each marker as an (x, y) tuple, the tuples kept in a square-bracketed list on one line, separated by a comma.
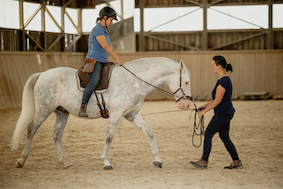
[(153, 60)]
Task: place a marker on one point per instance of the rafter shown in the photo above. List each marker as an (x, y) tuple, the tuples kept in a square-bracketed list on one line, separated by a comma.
[(173, 42), (56, 40), (53, 19), (72, 21), (36, 42), (32, 16)]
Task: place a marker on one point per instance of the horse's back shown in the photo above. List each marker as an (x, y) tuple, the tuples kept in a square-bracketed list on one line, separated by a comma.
[(53, 84), (62, 71)]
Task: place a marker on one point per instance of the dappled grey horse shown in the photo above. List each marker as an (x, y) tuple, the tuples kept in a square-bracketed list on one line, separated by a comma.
[(45, 92)]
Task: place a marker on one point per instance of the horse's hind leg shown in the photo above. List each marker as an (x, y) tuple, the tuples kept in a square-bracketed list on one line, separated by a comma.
[(32, 128), (61, 121), (141, 125)]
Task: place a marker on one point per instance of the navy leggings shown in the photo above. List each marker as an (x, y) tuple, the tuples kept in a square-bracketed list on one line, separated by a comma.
[(219, 123), (93, 78)]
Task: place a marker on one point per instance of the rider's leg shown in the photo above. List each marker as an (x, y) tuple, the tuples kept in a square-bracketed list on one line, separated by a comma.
[(93, 78)]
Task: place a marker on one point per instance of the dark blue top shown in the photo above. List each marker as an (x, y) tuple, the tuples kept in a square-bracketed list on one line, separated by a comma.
[(225, 105), (95, 51)]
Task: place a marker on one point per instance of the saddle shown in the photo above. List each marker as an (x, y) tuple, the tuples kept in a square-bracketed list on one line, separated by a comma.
[(82, 79)]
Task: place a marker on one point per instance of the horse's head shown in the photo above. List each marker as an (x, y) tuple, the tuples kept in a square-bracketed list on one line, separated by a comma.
[(180, 85)]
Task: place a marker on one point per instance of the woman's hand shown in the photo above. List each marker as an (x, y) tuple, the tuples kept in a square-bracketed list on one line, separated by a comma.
[(201, 113)]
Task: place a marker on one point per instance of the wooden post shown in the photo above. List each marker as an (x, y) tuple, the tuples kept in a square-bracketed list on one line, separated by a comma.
[(80, 26), (63, 26), (141, 37), (204, 32), (22, 27), (270, 25), (43, 23)]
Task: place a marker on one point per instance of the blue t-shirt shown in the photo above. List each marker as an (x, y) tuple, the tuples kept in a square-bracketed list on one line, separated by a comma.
[(225, 105), (95, 51)]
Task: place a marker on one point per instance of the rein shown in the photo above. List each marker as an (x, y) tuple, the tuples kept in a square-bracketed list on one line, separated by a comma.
[(163, 91), (199, 126)]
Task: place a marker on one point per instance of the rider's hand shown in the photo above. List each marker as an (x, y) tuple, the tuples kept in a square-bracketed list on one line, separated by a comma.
[(120, 62)]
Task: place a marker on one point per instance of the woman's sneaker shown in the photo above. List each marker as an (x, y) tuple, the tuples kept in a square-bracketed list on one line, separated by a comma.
[(201, 163), (235, 164)]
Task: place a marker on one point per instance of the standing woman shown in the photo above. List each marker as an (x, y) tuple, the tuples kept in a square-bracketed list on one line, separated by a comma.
[(223, 113), (99, 49)]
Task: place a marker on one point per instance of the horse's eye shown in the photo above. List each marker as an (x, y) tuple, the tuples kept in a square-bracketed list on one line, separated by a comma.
[(187, 83)]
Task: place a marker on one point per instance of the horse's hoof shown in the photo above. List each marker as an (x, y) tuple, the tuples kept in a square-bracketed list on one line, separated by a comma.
[(157, 164), (108, 167), (18, 165)]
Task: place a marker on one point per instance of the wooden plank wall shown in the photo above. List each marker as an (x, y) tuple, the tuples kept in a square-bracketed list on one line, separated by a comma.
[(17, 67), (254, 71)]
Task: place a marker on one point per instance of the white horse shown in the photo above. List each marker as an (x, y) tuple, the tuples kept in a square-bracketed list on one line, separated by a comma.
[(45, 92)]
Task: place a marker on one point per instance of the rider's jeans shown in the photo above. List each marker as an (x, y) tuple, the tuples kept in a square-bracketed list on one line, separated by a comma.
[(93, 78)]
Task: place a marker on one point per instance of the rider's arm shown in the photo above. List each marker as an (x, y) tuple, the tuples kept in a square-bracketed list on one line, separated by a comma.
[(102, 41)]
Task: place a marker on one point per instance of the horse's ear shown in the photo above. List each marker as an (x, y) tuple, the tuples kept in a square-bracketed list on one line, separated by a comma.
[(182, 65)]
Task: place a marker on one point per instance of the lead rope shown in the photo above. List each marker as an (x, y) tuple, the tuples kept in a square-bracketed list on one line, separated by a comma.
[(199, 126)]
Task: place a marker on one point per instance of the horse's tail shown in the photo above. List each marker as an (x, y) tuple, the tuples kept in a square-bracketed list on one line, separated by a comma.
[(28, 112)]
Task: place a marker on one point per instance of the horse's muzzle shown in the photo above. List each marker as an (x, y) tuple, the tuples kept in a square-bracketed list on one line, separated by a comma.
[(184, 104)]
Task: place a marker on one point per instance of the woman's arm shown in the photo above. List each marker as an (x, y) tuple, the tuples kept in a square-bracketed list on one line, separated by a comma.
[(220, 91), (204, 106), (102, 41)]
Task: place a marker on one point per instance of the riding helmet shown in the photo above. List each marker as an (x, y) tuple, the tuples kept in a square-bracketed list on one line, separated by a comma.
[(108, 11)]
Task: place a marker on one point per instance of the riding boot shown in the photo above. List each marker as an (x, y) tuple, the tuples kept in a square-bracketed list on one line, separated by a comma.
[(200, 163), (82, 112), (235, 164)]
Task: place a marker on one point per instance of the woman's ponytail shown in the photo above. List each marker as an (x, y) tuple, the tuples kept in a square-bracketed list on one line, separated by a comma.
[(229, 68), (98, 19), (220, 60)]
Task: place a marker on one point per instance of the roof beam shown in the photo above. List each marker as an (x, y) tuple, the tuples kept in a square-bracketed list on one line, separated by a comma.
[(32, 16), (173, 42)]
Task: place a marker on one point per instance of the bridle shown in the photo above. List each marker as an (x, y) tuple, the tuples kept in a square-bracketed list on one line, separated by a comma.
[(181, 89), (184, 96)]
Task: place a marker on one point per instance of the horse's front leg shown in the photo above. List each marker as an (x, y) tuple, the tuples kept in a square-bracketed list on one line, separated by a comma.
[(138, 121), (112, 125)]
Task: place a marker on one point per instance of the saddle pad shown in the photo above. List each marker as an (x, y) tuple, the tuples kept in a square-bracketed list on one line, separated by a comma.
[(82, 79)]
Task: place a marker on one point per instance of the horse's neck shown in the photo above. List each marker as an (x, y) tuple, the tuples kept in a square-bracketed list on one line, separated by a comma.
[(155, 72)]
